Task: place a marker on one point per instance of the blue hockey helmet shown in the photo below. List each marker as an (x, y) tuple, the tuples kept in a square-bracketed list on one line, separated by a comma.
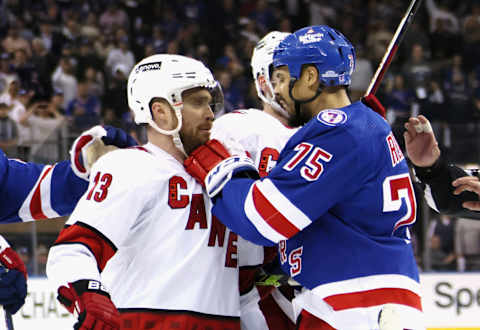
[(326, 48)]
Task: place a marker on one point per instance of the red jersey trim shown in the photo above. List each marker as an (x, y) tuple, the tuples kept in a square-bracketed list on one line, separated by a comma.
[(271, 215), (36, 202), (374, 297), (101, 247)]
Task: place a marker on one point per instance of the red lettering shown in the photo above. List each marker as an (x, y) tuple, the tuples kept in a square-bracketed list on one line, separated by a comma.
[(197, 213), (267, 155), (218, 230), (282, 249), (396, 154), (102, 191), (295, 261), (231, 260), (174, 201)]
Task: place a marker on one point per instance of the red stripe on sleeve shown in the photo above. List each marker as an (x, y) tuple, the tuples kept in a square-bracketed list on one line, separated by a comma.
[(100, 247), (271, 215), (36, 202), (374, 297)]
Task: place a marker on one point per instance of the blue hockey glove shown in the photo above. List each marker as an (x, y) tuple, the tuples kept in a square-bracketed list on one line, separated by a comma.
[(95, 142), (13, 279)]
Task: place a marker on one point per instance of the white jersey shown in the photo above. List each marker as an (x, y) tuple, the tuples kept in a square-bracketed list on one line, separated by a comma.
[(160, 248), (262, 137), (260, 134)]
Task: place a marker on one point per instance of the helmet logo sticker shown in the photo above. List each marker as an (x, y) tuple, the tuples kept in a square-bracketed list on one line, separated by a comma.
[(332, 117), (309, 38), (148, 67)]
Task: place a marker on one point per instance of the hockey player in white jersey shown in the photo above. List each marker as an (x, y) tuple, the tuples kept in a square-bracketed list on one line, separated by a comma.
[(262, 134), (141, 250)]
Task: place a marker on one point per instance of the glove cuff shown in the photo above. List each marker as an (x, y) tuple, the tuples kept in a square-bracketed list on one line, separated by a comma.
[(221, 173), (70, 296)]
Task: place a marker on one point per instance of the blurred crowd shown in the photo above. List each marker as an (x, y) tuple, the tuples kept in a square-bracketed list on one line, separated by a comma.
[(64, 63)]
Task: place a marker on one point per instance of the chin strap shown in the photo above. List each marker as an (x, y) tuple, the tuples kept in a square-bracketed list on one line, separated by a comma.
[(298, 103), (175, 133)]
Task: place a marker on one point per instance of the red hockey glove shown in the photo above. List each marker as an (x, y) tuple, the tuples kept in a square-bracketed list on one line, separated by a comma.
[(92, 304), (372, 102), (13, 279), (11, 260), (212, 166)]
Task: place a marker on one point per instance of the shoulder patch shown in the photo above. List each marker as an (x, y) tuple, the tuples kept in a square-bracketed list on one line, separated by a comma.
[(332, 117)]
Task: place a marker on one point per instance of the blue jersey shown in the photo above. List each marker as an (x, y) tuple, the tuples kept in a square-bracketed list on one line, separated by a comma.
[(31, 191), (338, 203)]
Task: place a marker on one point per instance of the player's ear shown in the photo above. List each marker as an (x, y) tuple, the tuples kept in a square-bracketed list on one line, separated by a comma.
[(162, 113), (310, 75)]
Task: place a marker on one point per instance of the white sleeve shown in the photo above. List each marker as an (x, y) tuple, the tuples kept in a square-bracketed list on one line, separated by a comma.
[(101, 222), (68, 263), (3, 243)]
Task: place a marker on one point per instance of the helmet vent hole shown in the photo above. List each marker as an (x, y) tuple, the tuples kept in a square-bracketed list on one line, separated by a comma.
[(331, 35), (340, 52)]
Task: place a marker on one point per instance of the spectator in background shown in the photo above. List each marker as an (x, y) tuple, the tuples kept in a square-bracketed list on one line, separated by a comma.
[(63, 78), (398, 98), (441, 235), (440, 11), (57, 100), (377, 40), (84, 110), (471, 36), (459, 114), (27, 260), (5, 70), (418, 73), (90, 30), (14, 41), (361, 76), (96, 83), (8, 132), (52, 40), (467, 249), (43, 63), (43, 120), (444, 43), (121, 55), (23, 67), (114, 17), (86, 57)]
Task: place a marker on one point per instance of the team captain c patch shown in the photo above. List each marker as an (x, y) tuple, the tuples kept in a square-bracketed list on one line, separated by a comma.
[(332, 117)]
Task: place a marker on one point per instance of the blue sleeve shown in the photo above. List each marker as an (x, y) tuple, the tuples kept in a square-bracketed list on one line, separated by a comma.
[(293, 196), (228, 208), (31, 191)]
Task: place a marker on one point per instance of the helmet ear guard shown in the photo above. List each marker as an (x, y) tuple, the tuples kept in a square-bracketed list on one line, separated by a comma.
[(261, 63)]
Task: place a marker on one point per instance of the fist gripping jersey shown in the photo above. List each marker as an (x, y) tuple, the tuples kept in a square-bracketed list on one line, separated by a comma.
[(146, 225), (338, 203)]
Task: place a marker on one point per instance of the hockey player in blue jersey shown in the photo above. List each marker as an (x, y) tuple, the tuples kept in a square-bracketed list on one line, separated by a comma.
[(339, 202), (30, 191)]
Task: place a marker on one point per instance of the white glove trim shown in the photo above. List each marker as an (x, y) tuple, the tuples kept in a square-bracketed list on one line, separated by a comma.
[(218, 176)]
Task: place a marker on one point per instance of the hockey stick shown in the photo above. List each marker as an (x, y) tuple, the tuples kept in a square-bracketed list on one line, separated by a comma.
[(390, 53), (8, 320), (8, 316)]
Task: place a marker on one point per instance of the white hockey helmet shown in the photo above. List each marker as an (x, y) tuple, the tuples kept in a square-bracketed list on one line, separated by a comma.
[(262, 59), (168, 76)]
